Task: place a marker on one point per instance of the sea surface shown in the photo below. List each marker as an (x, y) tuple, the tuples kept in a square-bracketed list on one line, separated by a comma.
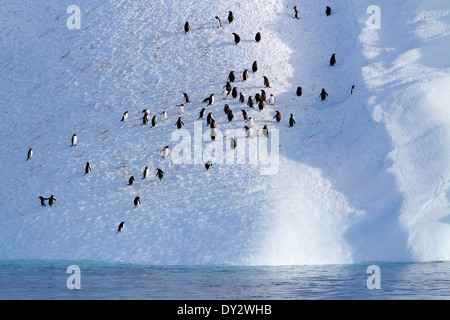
[(50, 280)]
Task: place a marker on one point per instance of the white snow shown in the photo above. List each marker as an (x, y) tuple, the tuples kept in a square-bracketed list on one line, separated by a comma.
[(361, 177)]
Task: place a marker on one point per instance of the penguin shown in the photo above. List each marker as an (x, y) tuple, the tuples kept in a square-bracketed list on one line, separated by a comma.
[(250, 102), (225, 94), (241, 98), (266, 82), (181, 106), (42, 201), (234, 93), (212, 134), (244, 115), (120, 228), (247, 132), (186, 98), (250, 122), (213, 124), (74, 140), (165, 152), (230, 17), (333, 59), (226, 109), (201, 114), (179, 123), (277, 117), (208, 165), (257, 97), (230, 116), (209, 118), (228, 86), (50, 200), (219, 23), (145, 119), (261, 105), (154, 121), (296, 13), (209, 100), (124, 116), (237, 39), (265, 131), (258, 37), (255, 66), (231, 76), (87, 168), (187, 27), (160, 173), (233, 143), (164, 115), (137, 201), (272, 100), (145, 173), (323, 94), (30, 154), (131, 181), (291, 121), (146, 111), (353, 88), (263, 96), (328, 11), (299, 91), (245, 75)]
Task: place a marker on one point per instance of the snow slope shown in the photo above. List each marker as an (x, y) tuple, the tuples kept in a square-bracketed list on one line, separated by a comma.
[(361, 177)]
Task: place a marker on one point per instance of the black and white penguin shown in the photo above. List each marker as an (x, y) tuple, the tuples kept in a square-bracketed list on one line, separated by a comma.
[(255, 66), (131, 181), (74, 140), (225, 94), (244, 115), (328, 11), (257, 97), (219, 23), (209, 118), (137, 201), (247, 132), (263, 95), (226, 109), (250, 102), (87, 168), (228, 86), (230, 17), (165, 152), (186, 98), (120, 228), (296, 13), (299, 91), (250, 122), (145, 173), (333, 59), (237, 38), (160, 173), (164, 115), (265, 131), (181, 108), (145, 119), (187, 27), (208, 165), (291, 120), (30, 154), (146, 111), (231, 76), (51, 200), (42, 201), (353, 88), (233, 143), (323, 94), (201, 114), (258, 37), (241, 98), (245, 75), (213, 124), (261, 105), (209, 100), (234, 93), (124, 116), (179, 123), (266, 82), (272, 100), (230, 116), (154, 121), (277, 116)]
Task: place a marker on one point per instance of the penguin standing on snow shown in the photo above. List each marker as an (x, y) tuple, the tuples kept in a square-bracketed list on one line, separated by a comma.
[(219, 23), (333, 59), (181, 106), (244, 115), (137, 201), (241, 98), (74, 140), (237, 38), (42, 201), (250, 102), (225, 94), (146, 111), (255, 66), (296, 13), (87, 168), (277, 117), (230, 116), (250, 122), (230, 17), (228, 86), (131, 181), (263, 96), (258, 37), (186, 98), (233, 143), (209, 118), (213, 124), (245, 75), (160, 174), (272, 100), (299, 91), (266, 82), (231, 76), (145, 119), (154, 121), (265, 131), (323, 94), (353, 88), (179, 123), (291, 121), (51, 200), (208, 165), (121, 225), (226, 109), (30, 154), (234, 93), (124, 116), (164, 115), (187, 27), (247, 132), (165, 152), (201, 114), (261, 105), (328, 11), (145, 174), (209, 100)]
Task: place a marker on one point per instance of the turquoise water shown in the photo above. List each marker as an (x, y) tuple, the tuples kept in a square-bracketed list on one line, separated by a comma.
[(48, 280)]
